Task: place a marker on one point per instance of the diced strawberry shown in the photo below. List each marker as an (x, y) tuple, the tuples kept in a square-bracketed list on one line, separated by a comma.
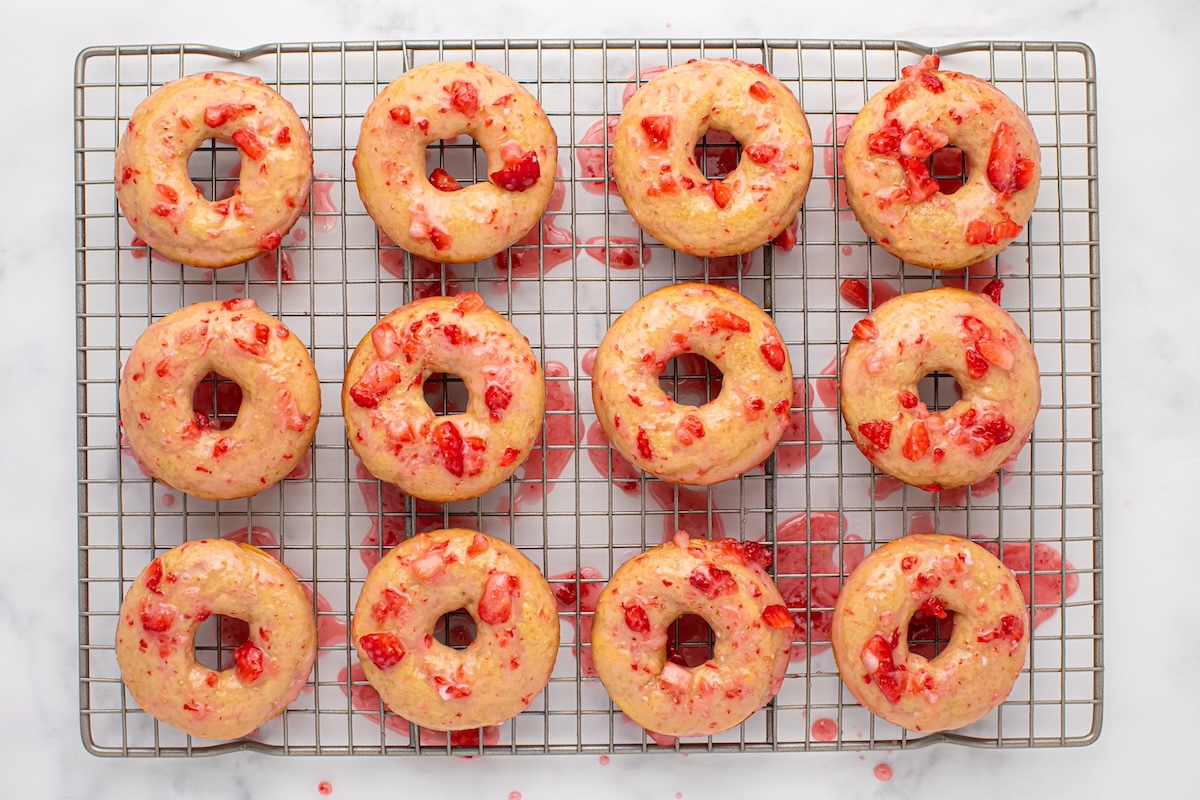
[(495, 606), (886, 140), (1011, 627), (443, 181), (453, 334), (753, 407), (383, 649), (1007, 171), (759, 91), (478, 546), (153, 575), (220, 113), (450, 444), (931, 82), (675, 679), (392, 604), (468, 301), (920, 184), (438, 238), (496, 398), (249, 660), (222, 447), (690, 429), (643, 444), (907, 563), (774, 354), (762, 153), (166, 193), (865, 329), (464, 97), (378, 379), (917, 442), (449, 690), (712, 581), (977, 365), (429, 566), (721, 192), (777, 616), (932, 607), (854, 292), (401, 115), (898, 95), (721, 320), (921, 142), (509, 456), (976, 328), (996, 353), (1005, 229), (1024, 172), (385, 339), (158, 617), (658, 131), (262, 338), (927, 63), (636, 618), (978, 231), (249, 144), (269, 241), (877, 659), (878, 433), (284, 136), (908, 399), (518, 175)]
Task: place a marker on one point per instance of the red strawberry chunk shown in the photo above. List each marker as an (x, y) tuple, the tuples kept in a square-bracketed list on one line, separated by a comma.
[(509, 456), (921, 143), (977, 365), (690, 429), (878, 433), (721, 320), (464, 97), (777, 616), (978, 231), (712, 581), (877, 659), (759, 91), (996, 353), (921, 185), (262, 337), (854, 292), (774, 354), (931, 82), (749, 552), (478, 545), (1007, 171), (907, 563), (269, 241), (898, 95), (865, 329), (401, 115), (153, 575), (468, 301), (438, 238), (218, 114), (762, 153), (157, 617), (385, 339), (1006, 229), (636, 618), (932, 607), (450, 444), (443, 181), (383, 649), (929, 62), (916, 443), (721, 193), (249, 144), (1011, 627), (886, 140), (495, 606), (658, 130), (497, 399), (520, 174), (392, 604), (249, 660), (992, 290), (908, 399), (166, 193), (378, 379), (643, 444)]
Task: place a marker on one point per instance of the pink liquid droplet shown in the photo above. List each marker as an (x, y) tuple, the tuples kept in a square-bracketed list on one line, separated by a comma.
[(824, 730), (883, 772), (678, 795), (847, 250), (325, 787), (299, 234), (168, 500), (604, 761), (514, 795)]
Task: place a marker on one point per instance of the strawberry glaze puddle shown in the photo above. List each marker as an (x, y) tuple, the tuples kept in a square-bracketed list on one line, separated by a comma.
[(581, 600), (557, 441), (799, 556), (883, 772), (521, 259), (620, 252), (430, 278), (838, 194), (824, 730), (320, 203)]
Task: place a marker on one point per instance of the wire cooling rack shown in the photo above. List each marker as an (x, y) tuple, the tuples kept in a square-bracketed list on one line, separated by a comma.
[(562, 287)]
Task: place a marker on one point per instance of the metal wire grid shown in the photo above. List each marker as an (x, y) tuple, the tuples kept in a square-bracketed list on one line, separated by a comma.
[(578, 525)]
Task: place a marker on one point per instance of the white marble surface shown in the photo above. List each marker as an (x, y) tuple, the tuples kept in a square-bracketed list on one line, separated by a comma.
[(1147, 61)]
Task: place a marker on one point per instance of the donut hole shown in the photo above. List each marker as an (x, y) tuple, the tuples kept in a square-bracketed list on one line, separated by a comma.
[(691, 380), (216, 401), (949, 167), (928, 635), (938, 391), (445, 393), (456, 629), (215, 168), (216, 639), (717, 154), (690, 641), (459, 160)]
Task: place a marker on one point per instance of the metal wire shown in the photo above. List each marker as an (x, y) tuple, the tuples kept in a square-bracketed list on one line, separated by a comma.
[(572, 520)]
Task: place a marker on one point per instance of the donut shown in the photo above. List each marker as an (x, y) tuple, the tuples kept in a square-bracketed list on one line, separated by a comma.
[(900, 205), (157, 627), (935, 574), (394, 431), (440, 101), (431, 574), (166, 209), (655, 166), (281, 400), (721, 439), (939, 330), (724, 582)]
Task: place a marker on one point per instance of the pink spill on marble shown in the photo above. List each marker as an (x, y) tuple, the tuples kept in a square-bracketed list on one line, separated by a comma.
[(883, 772)]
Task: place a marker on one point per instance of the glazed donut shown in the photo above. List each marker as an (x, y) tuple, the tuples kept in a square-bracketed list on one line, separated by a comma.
[(166, 604), (724, 582), (939, 330), (934, 574), (281, 400), (516, 639), (721, 439), (394, 431), (166, 209), (888, 183), (440, 101), (655, 167)]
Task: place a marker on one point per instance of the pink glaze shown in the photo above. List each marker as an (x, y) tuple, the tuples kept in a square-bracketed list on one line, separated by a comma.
[(556, 443), (883, 772), (620, 252), (325, 787), (824, 730), (321, 203), (571, 600), (792, 453), (844, 123), (521, 260)]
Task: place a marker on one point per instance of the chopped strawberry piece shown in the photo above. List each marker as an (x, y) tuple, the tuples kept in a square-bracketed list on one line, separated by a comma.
[(220, 113), (643, 444), (453, 334), (886, 140), (495, 606), (907, 563), (921, 143), (378, 379), (249, 144), (509, 456), (865, 329), (759, 91), (898, 95), (658, 130), (166, 193), (762, 153), (721, 193), (1011, 627), (932, 607), (448, 690), (497, 399), (438, 238), (249, 659), (787, 239), (774, 354), (468, 301), (719, 319), (977, 365), (636, 618), (284, 136), (383, 649), (920, 184), (222, 447), (917, 442), (153, 575), (996, 353), (712, 581), (931, 82), (520, 174), (478, 545), (269, 241), (443, 181), (749, 552), (976, 328), (777, 616), (450, 443), (1007, 171), (401, 115), (1006, 229), (908, 399), (262, 337), (854, 292), (877, 659), (385, 339), (464, 97), (392, 604), (878, 433), (978, 231), (1024, 172), (158, 617), (690, 429), (754, 406)]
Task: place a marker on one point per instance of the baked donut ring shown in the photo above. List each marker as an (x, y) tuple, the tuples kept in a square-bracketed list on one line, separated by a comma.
[(440, 101), (935, 574), (428, 683), (166, 209), (157, 626), (281, 400), (939, 330), (654, 157), (900, 205), (724, 582), (395, 433), (721, 439)]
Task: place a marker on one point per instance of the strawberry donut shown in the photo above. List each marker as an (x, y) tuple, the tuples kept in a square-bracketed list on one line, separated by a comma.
[(655, 166), (723, 581), (440, 101), (430, 684), (281, 400), (395, 433), (166, 604), (939, 330), (935, 574), (888, 183), (721, 439), (166, 209)]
